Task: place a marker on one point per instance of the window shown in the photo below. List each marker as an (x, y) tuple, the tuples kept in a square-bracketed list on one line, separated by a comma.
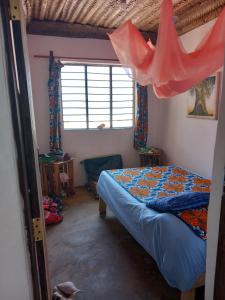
[(96, 94)]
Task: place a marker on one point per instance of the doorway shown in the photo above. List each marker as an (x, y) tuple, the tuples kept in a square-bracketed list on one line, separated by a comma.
[(25, 138)]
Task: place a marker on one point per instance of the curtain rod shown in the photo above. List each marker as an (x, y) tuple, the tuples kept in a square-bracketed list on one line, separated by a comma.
[(76, 58)]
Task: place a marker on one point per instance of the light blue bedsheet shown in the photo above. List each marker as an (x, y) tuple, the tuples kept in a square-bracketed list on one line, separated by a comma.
[(178, 252)]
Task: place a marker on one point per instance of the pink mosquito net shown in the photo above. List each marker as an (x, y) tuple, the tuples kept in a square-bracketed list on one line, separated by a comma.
[(167, 66)]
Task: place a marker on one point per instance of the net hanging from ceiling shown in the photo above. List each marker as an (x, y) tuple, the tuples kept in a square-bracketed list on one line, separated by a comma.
[(167, 66)]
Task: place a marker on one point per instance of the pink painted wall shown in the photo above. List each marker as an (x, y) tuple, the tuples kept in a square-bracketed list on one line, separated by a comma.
[(79, 144), (187, 142)]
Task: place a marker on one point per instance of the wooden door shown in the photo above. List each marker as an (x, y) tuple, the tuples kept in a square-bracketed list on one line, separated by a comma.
[(25, 138)]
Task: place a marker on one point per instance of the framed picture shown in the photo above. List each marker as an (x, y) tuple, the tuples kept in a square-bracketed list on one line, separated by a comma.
[(203, 98)]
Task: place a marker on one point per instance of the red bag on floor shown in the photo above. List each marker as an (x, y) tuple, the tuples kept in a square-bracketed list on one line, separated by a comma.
[(52, 217), (52, 210)]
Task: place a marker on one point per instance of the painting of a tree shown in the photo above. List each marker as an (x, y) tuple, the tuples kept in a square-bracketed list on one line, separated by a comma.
[(204, 98)]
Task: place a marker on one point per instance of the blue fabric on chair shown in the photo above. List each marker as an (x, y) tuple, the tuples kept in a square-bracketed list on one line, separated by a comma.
[(180, 202)]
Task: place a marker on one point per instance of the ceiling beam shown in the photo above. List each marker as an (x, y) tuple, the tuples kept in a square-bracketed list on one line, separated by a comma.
[(62, 29)]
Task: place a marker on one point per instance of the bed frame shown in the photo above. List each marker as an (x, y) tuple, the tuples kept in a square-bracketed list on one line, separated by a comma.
[(188, 295)]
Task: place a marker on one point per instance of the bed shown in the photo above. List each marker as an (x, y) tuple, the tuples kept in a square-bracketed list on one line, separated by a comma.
[(179, 253)]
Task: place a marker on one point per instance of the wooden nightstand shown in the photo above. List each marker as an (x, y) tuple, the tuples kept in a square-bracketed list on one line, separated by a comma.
[(50, 176), (150, 158)]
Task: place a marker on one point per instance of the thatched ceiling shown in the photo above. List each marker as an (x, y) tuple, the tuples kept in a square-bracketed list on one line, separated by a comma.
[(111, 13)]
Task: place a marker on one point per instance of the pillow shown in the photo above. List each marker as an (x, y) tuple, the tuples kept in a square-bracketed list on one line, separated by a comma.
[(180, 202)]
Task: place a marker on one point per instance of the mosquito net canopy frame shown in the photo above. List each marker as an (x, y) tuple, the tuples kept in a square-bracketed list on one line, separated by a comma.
[(167, 66)]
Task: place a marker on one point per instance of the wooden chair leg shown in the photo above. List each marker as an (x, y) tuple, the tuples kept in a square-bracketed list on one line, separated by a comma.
[(189, 295), (102, 208)]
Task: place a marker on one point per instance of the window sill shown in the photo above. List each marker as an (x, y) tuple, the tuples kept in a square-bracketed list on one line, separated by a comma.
[(100, 130)]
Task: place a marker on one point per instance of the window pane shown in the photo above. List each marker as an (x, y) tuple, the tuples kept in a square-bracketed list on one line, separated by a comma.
[(95, 124), (97, 76), (97, 91), (119, 70), (119, 124), (74, 118), (74, 111), (122, 91), (100, 83), (71, 104), (122, 84), (97, 111), (98, 104), (75, 125), (72, 76), (98, 69), (72, 68), (123, 97), (122, 111), (122, 117), (72, 83), (98, 98), (119, 104), (72, 90), (73, 97), (101, 118), (121, 78)]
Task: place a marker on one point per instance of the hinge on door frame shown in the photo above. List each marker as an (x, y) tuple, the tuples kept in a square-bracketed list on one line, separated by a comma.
[(37, 229), (14, 10)]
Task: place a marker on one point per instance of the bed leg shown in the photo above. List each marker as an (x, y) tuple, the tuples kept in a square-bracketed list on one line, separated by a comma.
[(189, 295), (102, 208)]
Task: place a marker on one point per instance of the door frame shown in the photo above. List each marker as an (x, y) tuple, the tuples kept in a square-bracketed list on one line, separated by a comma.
[(220, 263), (25, 140)]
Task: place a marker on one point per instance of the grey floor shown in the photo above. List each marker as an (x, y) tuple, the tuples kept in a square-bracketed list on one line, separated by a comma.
[(101, 257)]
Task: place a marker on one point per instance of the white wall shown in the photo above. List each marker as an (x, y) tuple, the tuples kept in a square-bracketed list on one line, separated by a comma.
[(185, 141), (80, 144), (15, 281)]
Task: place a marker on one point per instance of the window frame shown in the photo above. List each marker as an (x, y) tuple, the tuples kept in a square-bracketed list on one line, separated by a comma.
[(86, 65)]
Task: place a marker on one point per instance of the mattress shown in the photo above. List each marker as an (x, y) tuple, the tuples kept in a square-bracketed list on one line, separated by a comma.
[(178, 252)]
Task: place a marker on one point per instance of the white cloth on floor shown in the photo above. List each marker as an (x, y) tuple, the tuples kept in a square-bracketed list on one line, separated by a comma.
[(65, 291)]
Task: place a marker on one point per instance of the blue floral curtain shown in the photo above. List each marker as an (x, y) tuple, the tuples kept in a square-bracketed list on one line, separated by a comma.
[(54, 103), (141, 120)]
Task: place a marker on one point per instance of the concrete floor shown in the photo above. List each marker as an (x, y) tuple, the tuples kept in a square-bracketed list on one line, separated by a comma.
[(101, 257)]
